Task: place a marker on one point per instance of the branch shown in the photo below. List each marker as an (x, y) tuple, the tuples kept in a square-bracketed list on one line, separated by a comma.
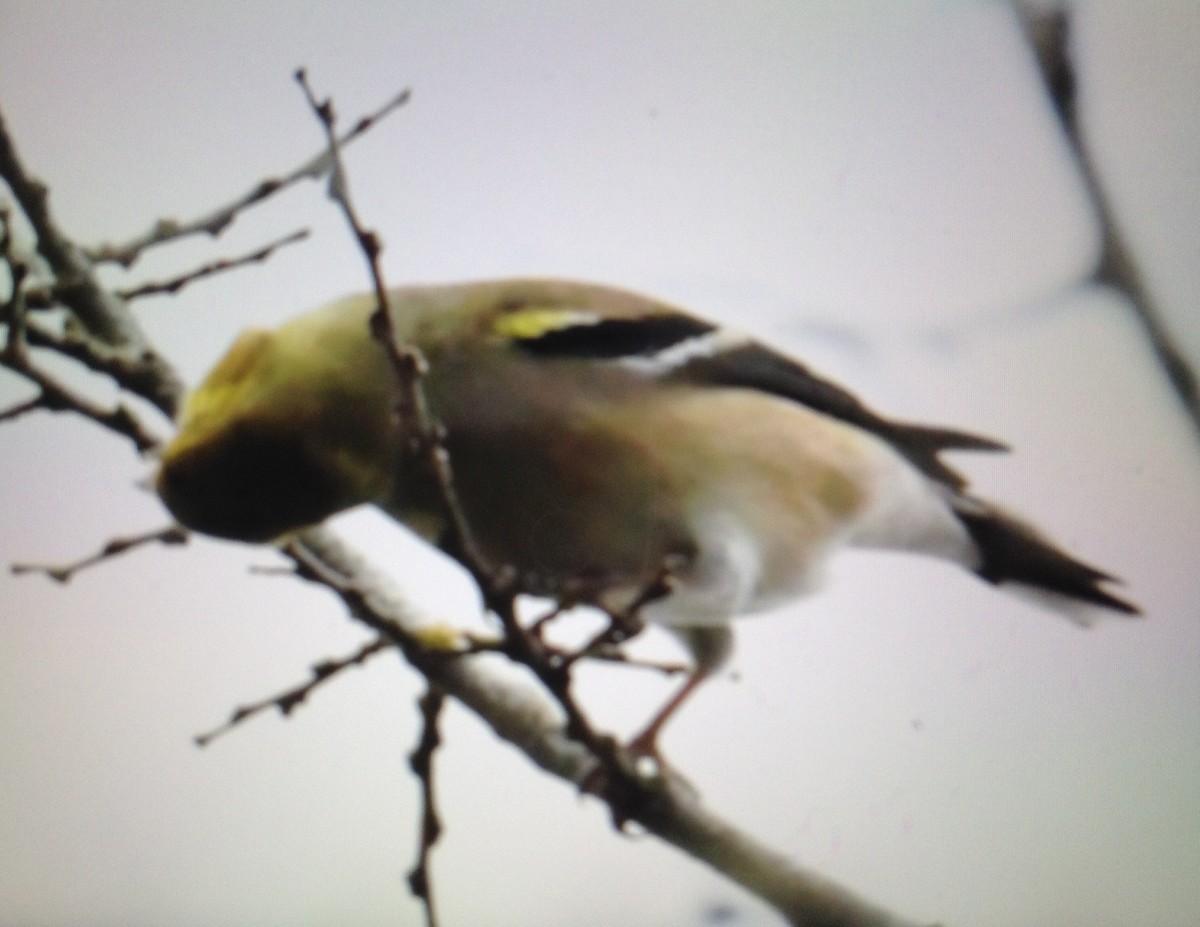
[(498, 585), (532, 722), (63, 573), (215, 222), (288, 701), (101, 311), (55, 396), (1048, 31), (177, 283), (412, 410), (421, 763), (127, 368)]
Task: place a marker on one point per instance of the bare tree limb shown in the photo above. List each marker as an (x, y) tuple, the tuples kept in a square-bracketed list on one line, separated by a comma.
[(125, 367), (216, 221), (1049, 32), (533, 722), (175, 284), (412, 409), (172, 535), (56, 396), (499, 586), (288, 701), (101, 311)]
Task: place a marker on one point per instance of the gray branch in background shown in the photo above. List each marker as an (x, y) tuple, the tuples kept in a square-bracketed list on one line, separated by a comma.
[(1048, 29)]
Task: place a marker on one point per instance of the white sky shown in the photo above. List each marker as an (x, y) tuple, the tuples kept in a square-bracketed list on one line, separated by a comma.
[(876, 187)]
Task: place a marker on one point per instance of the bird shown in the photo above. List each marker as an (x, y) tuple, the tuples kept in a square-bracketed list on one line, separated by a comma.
[(598, 439)]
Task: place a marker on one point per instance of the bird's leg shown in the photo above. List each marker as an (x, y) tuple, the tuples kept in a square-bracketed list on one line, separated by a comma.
[(645, 744), (710, 646)]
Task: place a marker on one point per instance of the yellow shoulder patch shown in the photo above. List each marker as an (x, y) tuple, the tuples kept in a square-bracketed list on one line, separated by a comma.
[(535, 321)]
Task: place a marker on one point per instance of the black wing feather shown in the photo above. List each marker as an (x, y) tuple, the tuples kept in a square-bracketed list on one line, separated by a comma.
[(751, 365), (754, 366), (611, 339)]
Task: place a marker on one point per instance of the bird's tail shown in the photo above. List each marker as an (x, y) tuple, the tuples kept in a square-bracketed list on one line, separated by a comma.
[(1012, 552)]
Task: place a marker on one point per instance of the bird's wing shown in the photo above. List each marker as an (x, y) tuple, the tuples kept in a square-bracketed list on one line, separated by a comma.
[(681, 348), (753, 365)]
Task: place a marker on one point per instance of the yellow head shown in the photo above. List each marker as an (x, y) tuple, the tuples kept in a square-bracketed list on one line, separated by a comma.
[(291, 426)]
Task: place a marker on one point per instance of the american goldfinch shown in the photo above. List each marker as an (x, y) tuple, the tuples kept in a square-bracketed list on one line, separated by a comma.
[(596, 437)]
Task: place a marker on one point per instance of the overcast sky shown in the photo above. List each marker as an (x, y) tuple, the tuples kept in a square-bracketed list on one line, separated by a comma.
[(878, 188)]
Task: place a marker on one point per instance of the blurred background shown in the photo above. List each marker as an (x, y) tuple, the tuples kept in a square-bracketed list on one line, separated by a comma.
[(881, 189)]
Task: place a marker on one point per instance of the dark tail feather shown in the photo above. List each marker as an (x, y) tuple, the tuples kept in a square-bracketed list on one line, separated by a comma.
[(922, 444), (1013, 552)]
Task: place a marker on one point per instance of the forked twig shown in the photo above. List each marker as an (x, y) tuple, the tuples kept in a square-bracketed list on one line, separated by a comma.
[(56, 396), (616, 775), (126, 367), (104, 314), (216, 221), (289, 700), (53, 394), (175, 284), (172, 535)]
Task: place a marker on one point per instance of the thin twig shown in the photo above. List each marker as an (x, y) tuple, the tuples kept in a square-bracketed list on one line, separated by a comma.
[(216, 221), (55, 396), (498, 589), (126, 366), (288, 701), (172, 535), (104, 314), (413, 419), (426, 436), (421, 762), (175, 284), (601, 652), (21, 408)]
